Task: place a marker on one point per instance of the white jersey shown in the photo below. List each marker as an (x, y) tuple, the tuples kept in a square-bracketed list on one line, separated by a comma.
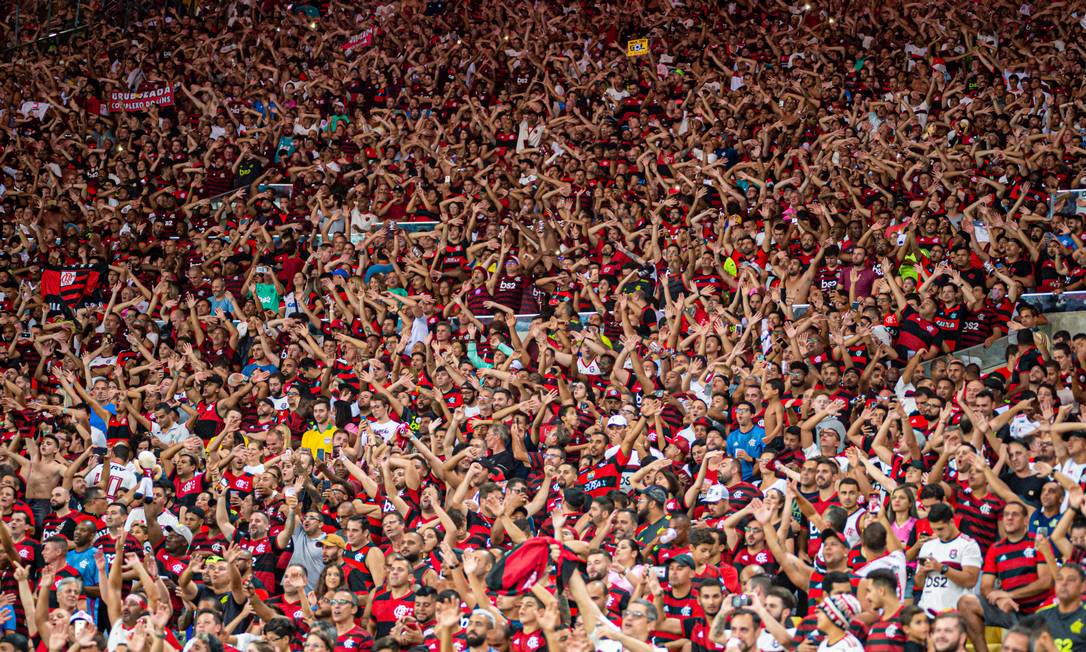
[(940, 593), (894, 562), (852, 526), (848, 644)]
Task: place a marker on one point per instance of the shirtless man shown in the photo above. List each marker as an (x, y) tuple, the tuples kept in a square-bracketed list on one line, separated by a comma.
[(43, 472)]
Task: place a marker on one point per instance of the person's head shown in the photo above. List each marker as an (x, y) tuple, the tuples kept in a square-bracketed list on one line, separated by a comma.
[(836, 612), (746, 627), (480, 624), (941, 518), (680, 570), (1070, 582), (399, 572), (279, 632), (882, 588), (916, 624), (1015, 520), (133, 606), (780, 603), (834, 548), (344, 606), (710, 598), (948, 633), (208, 621), (639, 618), (318, 641)]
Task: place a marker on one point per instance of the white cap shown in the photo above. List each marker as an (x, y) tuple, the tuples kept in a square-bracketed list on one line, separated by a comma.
[(716, 493), (617, 420)]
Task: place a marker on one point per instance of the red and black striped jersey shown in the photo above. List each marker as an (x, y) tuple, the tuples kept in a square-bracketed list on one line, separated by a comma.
[(1014, 564), (980, 515)]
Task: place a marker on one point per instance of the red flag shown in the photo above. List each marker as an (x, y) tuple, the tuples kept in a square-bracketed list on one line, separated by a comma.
[(67, 286)]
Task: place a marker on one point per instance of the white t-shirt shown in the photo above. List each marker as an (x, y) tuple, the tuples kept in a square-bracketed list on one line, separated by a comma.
[(848, 644), (766, 642), (121, 478), (387, 430), (940, 593)]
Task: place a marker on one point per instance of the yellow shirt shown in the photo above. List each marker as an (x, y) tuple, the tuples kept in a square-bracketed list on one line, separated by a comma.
[(319, 440)]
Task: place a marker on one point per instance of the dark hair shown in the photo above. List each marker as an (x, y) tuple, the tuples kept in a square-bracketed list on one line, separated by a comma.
[(835, 577), (17, 641), (280, 626), (785, 596), (874, 537), (934, 491), (941, 513), (755, 618), (885, 578)]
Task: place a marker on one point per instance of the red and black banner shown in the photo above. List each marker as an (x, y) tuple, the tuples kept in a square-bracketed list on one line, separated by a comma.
[(67, 287)]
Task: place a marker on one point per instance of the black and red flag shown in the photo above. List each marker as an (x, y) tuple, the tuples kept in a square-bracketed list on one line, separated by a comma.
[(68, 286), (528, 563)]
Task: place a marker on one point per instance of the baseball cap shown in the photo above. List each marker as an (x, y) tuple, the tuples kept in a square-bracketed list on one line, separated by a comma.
[(685, 559), (830, 533), (334, 540), (183, 530), (81, 615), (716, 493), (655, 492), (616, 420), (612, 393)]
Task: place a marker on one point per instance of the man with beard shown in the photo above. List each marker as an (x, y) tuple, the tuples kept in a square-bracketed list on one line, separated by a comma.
[(601, 467), (349, 636), (859, 276), (880, 590), (598, 569), (474, 636), (948, 633), (63, 520), (652, 515), (695, 627), (739, 493), (265, 550), (393, 602), (361, 555)]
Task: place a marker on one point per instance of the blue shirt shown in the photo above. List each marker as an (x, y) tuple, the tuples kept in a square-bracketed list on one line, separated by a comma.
[(751, 442), (88, 571), (1040, 520)]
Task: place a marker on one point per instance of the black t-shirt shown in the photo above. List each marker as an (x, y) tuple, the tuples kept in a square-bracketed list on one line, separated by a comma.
[(230, 608), (1029, 488)]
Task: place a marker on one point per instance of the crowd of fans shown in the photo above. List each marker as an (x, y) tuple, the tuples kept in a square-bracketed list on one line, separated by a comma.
[(470, 325)]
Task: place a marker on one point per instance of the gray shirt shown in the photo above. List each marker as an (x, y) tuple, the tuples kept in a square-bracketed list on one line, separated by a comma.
[(307, 552)]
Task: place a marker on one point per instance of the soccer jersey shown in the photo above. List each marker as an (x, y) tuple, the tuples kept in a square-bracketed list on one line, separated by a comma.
[(940, 593)]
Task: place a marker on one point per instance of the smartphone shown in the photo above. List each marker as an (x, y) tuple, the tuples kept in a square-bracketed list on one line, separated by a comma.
[(320, 454), (740, 601), (874, 503), (1042, 531), (100, 451)]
